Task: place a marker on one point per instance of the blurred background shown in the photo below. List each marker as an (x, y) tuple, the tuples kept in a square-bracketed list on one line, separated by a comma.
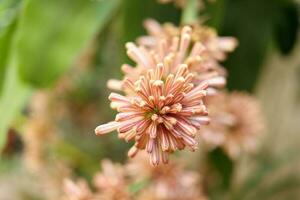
[(56, 57)]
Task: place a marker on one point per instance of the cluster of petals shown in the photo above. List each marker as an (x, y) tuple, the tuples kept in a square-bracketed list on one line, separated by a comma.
[(201, 50), (162, 114), (110, 183), (78, 190), (206, 49), (162, 107), (171, 182), (216, 47), (236, 123), (114, 182)]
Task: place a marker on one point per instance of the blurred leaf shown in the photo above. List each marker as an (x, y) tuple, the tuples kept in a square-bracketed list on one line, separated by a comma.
[(52, 33), (268, 165), (283, 185), (8, 18), (224, 166), (76, 157), (286, 27), (136, 11), (10, 164), (13, 97), (214, 11), (253, 22)]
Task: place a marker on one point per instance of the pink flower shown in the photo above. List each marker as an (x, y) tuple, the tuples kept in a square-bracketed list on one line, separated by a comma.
[(162, 114), (171, 182), (77, 190), (216, 47), (236, 123), (172, 47), (109, 184)]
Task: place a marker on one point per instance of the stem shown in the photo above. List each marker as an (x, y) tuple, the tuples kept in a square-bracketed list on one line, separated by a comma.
[(190, 12)]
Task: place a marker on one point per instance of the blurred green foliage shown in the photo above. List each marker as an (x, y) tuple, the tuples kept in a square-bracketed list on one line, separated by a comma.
[(8, 20), (12, 100), (136, 11), (43, 44)]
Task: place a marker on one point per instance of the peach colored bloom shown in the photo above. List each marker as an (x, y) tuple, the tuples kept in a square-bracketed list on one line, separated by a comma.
[(199, 50), (110, 184), (77, 190), (216, 47), (171, 182), (161, 115), (236, 122)]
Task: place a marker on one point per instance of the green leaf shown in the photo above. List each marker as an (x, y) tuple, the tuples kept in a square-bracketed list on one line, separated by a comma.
[(52, 33), (13, 97), (214, 11), (254, 23), (251, 22), (223, 165), (136, 11), (8, 21)]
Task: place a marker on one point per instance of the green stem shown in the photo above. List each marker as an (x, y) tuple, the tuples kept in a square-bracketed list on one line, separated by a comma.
[(190, 12)]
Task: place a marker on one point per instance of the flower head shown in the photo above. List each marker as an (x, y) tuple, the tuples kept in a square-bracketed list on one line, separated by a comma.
[(236, 121), (174, 46), (162, 114)]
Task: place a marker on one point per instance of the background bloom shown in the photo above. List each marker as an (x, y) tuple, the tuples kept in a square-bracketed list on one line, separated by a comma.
[(199, 48), (168, 182), (78, 190), (236, 122), (216, 47), (110, 184)]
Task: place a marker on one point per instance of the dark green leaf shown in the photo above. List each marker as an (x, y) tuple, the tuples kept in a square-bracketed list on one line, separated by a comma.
[(251, 22), (286, 27), (254, 23), (214, 11), (13, 97), (136, 11), (223, 165)]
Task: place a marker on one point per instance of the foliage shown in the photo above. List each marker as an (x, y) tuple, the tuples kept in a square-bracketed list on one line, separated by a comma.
[(43, 46)]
